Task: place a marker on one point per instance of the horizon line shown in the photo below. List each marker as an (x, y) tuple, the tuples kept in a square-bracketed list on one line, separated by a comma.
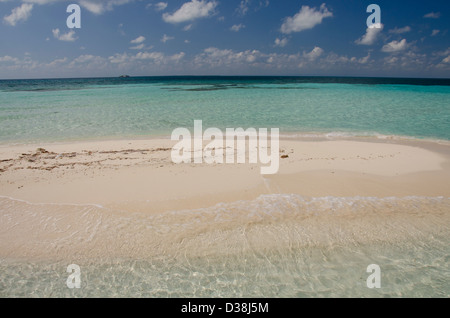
[(224, 76)]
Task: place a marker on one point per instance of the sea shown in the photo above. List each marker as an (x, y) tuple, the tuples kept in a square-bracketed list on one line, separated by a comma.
[(279, 245)]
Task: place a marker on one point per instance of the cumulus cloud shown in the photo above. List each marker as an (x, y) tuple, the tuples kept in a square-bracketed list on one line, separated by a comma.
[(138, 40), (88, 58), (371, 35), (281, 42), (314, 54), (57, 62), (306, 18), (400, 30), (316, 59), (158, 58), (191, 10), (149, 56), (100, 6), (8, 59), (19, 14), (225, 57), (395, 46), (237, 27), (160, 6), (432, 15), (68, 37), (363, 60), (94, 7)]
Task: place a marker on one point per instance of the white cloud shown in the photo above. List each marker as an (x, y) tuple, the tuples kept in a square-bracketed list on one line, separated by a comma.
[(143, 57), (138, 47), (306, 18), (442, 53), (160, 6), (68, 37), (400, 30), (435, 32), (446, 60), (94, 7), (395, 46), (364, 60), (263, 4), (237, 27), (149, 56), (188, 27), (281, 42), (166, 38), (38, 1), (87, 58), (191, 10), (176, 57), (316, 59), (407, 61), (244, 6), (100, 6), (88, 61), (58, 62), (433, 15), (216, 57), (9, 59), (18, 14), (138, 40), (371, 35), (118, 58), (314, 54)]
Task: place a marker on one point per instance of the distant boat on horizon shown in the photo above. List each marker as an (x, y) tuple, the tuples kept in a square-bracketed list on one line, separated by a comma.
[(124, 76)]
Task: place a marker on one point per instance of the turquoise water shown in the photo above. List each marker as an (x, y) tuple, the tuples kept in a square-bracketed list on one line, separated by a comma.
[(57, 110), (279, 245)]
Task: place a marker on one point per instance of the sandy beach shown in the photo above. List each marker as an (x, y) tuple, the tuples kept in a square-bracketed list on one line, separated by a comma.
[(130, 172), (85, 190)]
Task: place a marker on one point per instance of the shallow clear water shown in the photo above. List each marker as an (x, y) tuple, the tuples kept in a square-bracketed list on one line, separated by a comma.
[(406, 271), (47, 110), (274, 246)]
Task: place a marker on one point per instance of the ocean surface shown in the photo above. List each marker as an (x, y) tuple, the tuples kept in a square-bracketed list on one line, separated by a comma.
[(279, 245), (79, 109)]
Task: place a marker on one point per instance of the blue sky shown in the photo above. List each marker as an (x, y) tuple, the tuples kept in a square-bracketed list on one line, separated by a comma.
[(224, 37)]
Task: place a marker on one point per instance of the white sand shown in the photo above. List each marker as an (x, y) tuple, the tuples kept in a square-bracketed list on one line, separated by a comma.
[(139, 189), (128, 173)]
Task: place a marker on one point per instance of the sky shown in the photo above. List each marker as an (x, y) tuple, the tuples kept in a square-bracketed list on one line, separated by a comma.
[(224, 37)]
